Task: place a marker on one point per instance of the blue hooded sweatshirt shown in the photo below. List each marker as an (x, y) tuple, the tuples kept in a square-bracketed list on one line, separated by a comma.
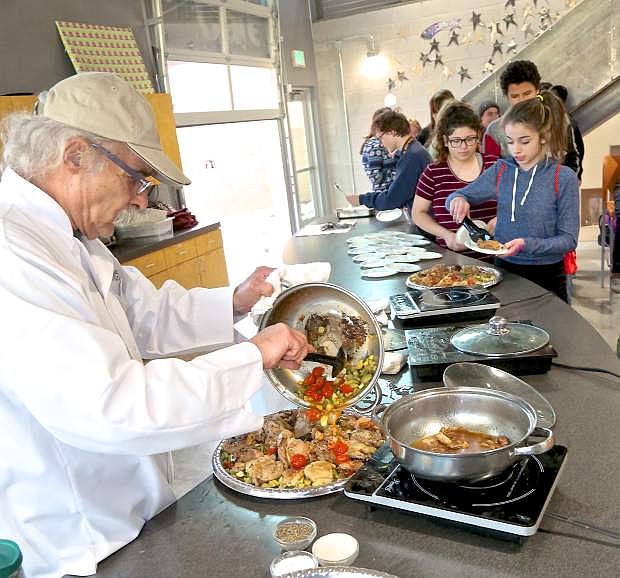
[(529, 207)]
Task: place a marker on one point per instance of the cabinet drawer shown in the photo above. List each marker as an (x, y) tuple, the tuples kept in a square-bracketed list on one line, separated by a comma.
[(180, 252), (209, 241), (150, 263)]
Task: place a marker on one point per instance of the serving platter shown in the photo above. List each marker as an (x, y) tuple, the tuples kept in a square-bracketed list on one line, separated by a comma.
[(339, 572), (497, 277), (238, 485)]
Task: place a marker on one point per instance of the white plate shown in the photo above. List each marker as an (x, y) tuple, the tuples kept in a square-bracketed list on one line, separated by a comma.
[(404, 267), (373, 263), (387, 216), (430, 255), (407, 236), (379, 272), (419, 242), (462, 236), (365, 257), (404, 258), (415, 251), (360, 250)]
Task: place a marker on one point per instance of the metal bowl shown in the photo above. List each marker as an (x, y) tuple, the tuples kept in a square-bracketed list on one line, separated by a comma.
[(482, 410), (295, 305)]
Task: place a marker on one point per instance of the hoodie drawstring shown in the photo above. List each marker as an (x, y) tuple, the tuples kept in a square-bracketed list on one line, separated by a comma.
[(514, 191)]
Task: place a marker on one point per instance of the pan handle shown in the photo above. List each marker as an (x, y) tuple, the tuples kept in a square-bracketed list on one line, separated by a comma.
[(375, 403), (540, 447), (377, 413)]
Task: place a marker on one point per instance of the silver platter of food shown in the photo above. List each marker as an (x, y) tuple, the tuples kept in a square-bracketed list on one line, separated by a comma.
[(339, 572), (293, 456), (474, 276)]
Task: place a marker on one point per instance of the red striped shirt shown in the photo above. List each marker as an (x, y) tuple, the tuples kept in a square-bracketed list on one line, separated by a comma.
[(437, 182)]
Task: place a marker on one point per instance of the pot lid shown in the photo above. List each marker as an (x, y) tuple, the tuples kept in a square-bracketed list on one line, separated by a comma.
[(500, 338)]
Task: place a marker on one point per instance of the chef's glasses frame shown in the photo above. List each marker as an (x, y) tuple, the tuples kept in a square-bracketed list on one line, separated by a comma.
[(145, 182)]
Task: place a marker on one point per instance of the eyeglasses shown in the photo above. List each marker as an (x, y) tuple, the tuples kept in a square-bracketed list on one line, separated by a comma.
[(145, 182), (456, 142)]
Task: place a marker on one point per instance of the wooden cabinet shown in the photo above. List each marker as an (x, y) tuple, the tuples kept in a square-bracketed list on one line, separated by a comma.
[(195, 262)]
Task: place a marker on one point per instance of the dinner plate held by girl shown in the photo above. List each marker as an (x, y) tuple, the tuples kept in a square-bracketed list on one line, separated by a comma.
[(462, 236)]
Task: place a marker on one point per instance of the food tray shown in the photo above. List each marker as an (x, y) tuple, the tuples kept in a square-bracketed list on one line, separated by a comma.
[(274, 493), (487, 268), (339, 572)]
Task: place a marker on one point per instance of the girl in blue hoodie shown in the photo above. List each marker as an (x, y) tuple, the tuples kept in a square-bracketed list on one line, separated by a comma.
[(537, 197)]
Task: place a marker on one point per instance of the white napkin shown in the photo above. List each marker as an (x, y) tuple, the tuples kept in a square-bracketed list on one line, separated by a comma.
[(290, 275), (393, 361)]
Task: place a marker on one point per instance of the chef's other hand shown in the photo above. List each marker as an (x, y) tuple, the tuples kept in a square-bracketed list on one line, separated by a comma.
[(251, 290), (513, 247), (354, 200), (282, 346), (459, 209)]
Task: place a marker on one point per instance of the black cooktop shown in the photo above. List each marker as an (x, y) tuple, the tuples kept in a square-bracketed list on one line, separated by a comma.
[(430, 352), (509, 505), (443, 305)]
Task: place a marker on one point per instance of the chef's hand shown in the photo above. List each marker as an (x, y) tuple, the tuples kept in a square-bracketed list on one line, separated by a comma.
[(282, 346), (513, 247), (251, 290), (450, 239), (459, 209), (354, 200)]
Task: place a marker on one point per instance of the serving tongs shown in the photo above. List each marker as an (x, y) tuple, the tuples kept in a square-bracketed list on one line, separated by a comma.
[(476, 233), (337, 362)]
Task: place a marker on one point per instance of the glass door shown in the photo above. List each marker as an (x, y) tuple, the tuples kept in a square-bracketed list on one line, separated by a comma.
[(304, 162)]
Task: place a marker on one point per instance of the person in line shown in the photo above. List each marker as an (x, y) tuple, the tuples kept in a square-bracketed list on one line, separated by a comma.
[(87, 426), (438, 99), (488, 112), (379, 165), (521, 81), (415, 128), (411, 159), (562, 92), (458, 163), (537, 197)]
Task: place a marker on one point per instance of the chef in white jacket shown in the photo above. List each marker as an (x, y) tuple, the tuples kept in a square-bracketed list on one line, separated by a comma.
[(85, 425)]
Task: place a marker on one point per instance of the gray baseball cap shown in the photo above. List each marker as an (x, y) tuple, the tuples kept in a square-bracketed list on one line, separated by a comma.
[(104, 104)]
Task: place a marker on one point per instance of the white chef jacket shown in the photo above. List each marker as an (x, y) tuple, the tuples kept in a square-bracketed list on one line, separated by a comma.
[(84, 423)]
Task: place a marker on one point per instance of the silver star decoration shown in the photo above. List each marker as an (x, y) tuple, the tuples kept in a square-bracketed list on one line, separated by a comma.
[(489, 66), (510, 3), (447, 72), (527, 30), (511, 46), (497, 47), (391, 84), (454, 38), (434, 46), (401, 76), (424, 59), (508, 20), (437, 61), (463, 73), (475, 19)]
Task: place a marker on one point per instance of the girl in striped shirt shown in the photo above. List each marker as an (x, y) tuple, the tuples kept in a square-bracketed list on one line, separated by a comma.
[(457, 137)]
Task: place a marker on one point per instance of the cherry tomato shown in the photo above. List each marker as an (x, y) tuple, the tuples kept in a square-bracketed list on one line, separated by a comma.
[(299, 461), (313, 414), (345, 388), (270, 451), (310, 379), (318, 371), (316, 395), (338, 447), (227, 465), (320, 381), (342, 458), (328, 391)]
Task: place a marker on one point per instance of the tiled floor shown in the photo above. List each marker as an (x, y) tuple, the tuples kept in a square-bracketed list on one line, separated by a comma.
[(596, 304)]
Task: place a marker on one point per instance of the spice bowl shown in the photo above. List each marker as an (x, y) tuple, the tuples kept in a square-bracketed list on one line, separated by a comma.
[(292, 562), (295, 533), (336, 549)]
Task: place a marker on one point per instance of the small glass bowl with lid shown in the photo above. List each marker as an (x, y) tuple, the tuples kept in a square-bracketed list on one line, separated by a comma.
[(295, 533)]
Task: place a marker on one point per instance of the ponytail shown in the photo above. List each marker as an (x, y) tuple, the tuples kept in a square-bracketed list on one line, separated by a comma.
[(547, 116)]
